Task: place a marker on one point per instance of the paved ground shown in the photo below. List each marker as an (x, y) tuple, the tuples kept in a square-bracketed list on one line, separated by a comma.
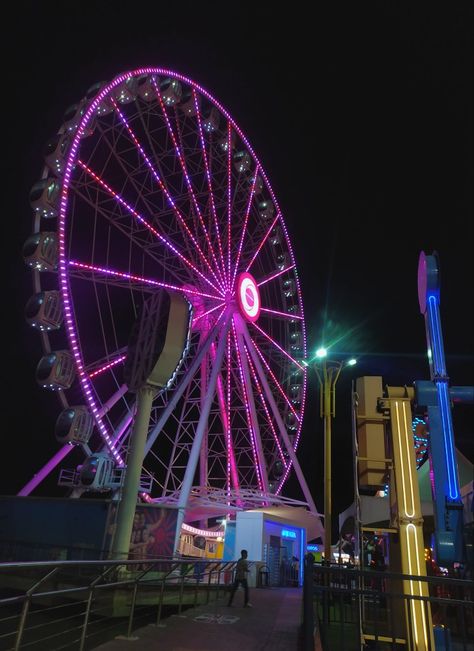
[(271, 625)]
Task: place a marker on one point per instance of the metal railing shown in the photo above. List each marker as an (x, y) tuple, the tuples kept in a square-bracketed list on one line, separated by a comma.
[(77, 605), (352, 609)]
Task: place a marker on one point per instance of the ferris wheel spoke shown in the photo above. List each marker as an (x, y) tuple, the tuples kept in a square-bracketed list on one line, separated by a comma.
[(275, 275), (277, 345), (249, 402), (97, 368), (180, 154), (209, 182), (145, 223), (229, 195), (265, 408), (213, 309), (277, 384), (140, 243), (262, 242), (141, 282), (165, 191), (281, 315), (244, 228)]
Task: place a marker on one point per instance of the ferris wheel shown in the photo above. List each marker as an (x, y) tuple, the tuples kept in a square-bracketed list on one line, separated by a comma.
[(148, 184)]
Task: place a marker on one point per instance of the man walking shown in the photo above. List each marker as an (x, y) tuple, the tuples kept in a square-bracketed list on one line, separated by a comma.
[(241, 570)]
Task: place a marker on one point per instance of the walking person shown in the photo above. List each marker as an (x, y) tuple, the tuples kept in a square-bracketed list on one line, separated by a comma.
[(242, 568)]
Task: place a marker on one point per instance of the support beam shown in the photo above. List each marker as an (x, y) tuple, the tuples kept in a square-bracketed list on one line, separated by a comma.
[(281, 426), (248, 395), (200, 431)]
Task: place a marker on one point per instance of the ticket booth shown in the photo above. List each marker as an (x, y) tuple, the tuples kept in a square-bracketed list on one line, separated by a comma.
[(275, 539)]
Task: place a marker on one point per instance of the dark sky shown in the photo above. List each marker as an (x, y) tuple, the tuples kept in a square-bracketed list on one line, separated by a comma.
[(362, 117)]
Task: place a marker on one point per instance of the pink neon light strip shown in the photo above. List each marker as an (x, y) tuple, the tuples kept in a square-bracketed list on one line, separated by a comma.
[(165, 191), (140, 279), (247, 411), (206, 313), (144, 222), (278, 346), (286, 315), (279, 273), (186, 176), (229, 194), (247, 213), (264, 404), (263, 241), (272, 375), (220, 391), (208, 176), (202, 532), (228, 414), (225, 415), (107, 366)]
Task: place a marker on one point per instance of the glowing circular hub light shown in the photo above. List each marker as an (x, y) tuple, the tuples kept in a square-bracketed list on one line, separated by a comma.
[(248, 296)]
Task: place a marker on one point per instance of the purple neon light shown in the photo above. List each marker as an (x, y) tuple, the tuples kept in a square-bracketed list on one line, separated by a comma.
[(206, 313), (228, 441), (272, 375), (64, 283), (286, 315), (107, 366), (186, 176), (247, 410), (247, 213), (163, 188), (264, 404), (278, 346), (140, 279), (263, 241), (145, 223), (208, 176), (229, 192), (279, 273)]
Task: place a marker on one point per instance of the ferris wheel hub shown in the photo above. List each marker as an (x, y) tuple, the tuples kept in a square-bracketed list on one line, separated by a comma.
[(248, 297)]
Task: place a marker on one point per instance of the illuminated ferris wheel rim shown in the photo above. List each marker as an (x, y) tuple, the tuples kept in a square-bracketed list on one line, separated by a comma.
[(248, 302)]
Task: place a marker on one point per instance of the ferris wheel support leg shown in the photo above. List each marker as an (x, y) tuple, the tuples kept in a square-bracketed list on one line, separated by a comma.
[(200, 431), (281, 426), (253, 413), (45, 470), (181, 388), (203, 466), (128, 503)]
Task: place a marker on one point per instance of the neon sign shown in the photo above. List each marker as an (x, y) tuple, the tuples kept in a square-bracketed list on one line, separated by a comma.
[(248, 297), (285, 533)]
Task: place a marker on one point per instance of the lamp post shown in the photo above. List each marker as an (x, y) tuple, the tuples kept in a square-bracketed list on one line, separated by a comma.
[(328, 371)]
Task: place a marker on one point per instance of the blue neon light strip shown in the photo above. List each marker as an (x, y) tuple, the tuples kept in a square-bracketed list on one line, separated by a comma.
[(448, 439), (442, 387), (301, 564), (438, 352)]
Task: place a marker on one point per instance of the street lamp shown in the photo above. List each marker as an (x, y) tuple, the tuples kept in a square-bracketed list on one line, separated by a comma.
[(328, 371)]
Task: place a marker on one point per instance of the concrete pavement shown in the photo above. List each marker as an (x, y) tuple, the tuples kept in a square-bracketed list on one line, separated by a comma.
[(273, 624)]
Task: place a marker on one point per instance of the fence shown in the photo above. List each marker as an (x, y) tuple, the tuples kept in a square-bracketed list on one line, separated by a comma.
[(354, 609), (76, 605)]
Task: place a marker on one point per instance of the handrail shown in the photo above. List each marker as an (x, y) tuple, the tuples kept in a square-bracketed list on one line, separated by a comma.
[(172, 578)]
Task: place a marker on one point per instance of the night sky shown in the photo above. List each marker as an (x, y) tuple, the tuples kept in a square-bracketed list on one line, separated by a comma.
[(362, 117)]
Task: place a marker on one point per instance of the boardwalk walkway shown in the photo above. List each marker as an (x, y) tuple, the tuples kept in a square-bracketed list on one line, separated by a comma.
[(273, 624)]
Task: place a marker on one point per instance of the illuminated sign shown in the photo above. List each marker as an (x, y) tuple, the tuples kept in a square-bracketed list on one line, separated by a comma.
[(288, 534), (312, 548), (248, 297)]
